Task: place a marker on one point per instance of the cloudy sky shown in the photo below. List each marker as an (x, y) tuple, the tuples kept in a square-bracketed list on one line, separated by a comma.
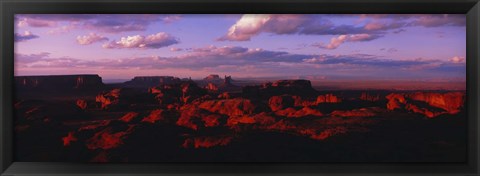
[(395, 47)]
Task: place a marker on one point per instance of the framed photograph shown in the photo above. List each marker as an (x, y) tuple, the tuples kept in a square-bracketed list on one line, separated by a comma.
[(226, 87)]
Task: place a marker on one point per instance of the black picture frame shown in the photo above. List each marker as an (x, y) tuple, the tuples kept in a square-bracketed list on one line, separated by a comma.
[(8, 8)]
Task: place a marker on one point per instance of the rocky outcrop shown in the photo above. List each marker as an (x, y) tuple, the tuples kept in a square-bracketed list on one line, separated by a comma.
[(151, 81), (261, 119), (229, 107), (211, 87), (215, 79), (280, 102), (107, 139), (191, 91), (154, 116), (129, 117), (450, 102), (294, 113), (107, 99), (362, 112), (124, 98), (82, 104), (59, 82), (430, 104), (67, 140), (328, 98), (191, 117), (287, 101)]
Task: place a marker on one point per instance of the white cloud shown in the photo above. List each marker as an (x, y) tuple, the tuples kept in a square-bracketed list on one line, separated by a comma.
[(153, 41), (90, 38)]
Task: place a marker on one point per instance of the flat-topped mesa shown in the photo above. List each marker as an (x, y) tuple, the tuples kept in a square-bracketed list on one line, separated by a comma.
[(59, 82), (290, 87), (151, 81), (212, 77)]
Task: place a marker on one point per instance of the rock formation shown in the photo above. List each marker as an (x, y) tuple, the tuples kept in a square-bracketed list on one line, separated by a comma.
[(59, 82), (230, 107), (151, 81), (449, 102)]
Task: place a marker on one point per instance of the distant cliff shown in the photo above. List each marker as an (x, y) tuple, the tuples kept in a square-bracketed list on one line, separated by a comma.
[(151, 81), (59, 82), (280, 87)]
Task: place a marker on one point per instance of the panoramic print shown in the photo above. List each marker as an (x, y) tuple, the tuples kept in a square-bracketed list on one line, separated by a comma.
[(240, 88)]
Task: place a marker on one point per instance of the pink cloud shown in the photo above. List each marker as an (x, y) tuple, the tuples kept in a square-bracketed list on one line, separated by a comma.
[(457, 59), (90, 38), (174, 49), (335, 42), (153, 41)]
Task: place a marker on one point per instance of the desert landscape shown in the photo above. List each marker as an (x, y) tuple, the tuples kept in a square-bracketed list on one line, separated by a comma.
[(114, 88), (221, 119)]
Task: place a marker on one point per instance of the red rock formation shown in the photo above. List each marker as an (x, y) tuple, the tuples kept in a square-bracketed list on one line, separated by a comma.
[(129, 117), (328, 98), (98, 124), (395, 101), (367, 97), (325, 133), (207, 141), (280, 102), (230, 107), (234, 120), (68, 139), (82, 104), (262, 119), (108, 98), (106, 139), (450, 102), (190, 115), (155, 115), (154, 90), (212, 78), (293, 113), (211, 87), (190, 92), (225, 95), (299, 101), (424, 111), (362, 112), (211, 120)]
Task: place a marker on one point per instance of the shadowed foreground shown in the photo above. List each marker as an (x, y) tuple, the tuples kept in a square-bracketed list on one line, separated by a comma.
[(167, 119)]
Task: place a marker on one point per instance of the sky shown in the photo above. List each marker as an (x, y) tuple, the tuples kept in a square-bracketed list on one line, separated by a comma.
[(404, 47)]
